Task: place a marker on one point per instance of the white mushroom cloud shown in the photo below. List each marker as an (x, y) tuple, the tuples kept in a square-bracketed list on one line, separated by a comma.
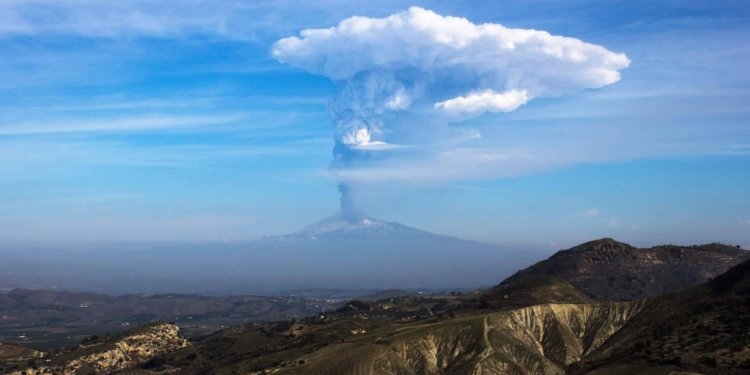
[(407, 76)]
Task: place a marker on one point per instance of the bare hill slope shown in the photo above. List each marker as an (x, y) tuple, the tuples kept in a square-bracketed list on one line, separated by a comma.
[(607, 270)]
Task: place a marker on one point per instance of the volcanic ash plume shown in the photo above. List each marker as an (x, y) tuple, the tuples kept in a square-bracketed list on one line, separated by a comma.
[(406, 78)]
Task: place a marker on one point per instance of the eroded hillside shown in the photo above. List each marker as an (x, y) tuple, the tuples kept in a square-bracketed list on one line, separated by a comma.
[(108, 355), (542, 339)]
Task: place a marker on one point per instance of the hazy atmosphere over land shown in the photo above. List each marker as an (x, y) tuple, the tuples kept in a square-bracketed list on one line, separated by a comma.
[(535, 122)]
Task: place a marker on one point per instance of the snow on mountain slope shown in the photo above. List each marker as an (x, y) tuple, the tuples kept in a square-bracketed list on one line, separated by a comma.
[(357, 224), (355, 249)]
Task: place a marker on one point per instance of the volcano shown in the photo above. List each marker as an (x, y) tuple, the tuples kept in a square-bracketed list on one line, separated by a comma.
[(379, 254), (358, 225), (347, 250)]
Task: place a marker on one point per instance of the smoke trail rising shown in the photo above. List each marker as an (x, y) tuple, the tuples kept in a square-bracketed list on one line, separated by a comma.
[(405, 79)]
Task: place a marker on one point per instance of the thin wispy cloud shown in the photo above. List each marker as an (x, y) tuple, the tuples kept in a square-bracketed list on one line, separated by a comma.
[(236, 20), (80, 201), (591, 212), (140, 123), (614, 222), (41, 159)]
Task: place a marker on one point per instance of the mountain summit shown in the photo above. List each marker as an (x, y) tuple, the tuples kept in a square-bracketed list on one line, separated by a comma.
[(356, 224), (601, 247)]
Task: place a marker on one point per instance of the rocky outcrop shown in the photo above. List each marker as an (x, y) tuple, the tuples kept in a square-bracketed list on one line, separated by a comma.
[(126, 351)]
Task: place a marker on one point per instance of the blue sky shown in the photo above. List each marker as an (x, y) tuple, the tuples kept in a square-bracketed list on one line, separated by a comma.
[(170, 121)]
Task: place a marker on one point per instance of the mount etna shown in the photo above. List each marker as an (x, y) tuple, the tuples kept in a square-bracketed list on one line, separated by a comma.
[(347, 249)]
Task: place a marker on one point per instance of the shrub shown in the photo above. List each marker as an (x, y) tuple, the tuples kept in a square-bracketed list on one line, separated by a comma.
[(154, 363), (711, 361), (358, 305), (192, 356), (662, 330), (639, 346)]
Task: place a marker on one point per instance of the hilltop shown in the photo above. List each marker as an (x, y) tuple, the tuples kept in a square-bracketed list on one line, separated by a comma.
[(535, 291), (607, 270)]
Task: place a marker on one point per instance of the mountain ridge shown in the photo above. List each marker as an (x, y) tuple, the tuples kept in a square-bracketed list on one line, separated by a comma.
[(633, 273)]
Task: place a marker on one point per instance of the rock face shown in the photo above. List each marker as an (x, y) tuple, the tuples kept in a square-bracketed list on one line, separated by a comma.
[(124, 351), (607, 270)]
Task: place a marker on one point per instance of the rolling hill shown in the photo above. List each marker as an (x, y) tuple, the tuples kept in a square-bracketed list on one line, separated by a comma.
[(607, 270), (536, 291)]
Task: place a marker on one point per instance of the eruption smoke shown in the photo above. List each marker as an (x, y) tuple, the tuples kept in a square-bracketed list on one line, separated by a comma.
[(406, 78)]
